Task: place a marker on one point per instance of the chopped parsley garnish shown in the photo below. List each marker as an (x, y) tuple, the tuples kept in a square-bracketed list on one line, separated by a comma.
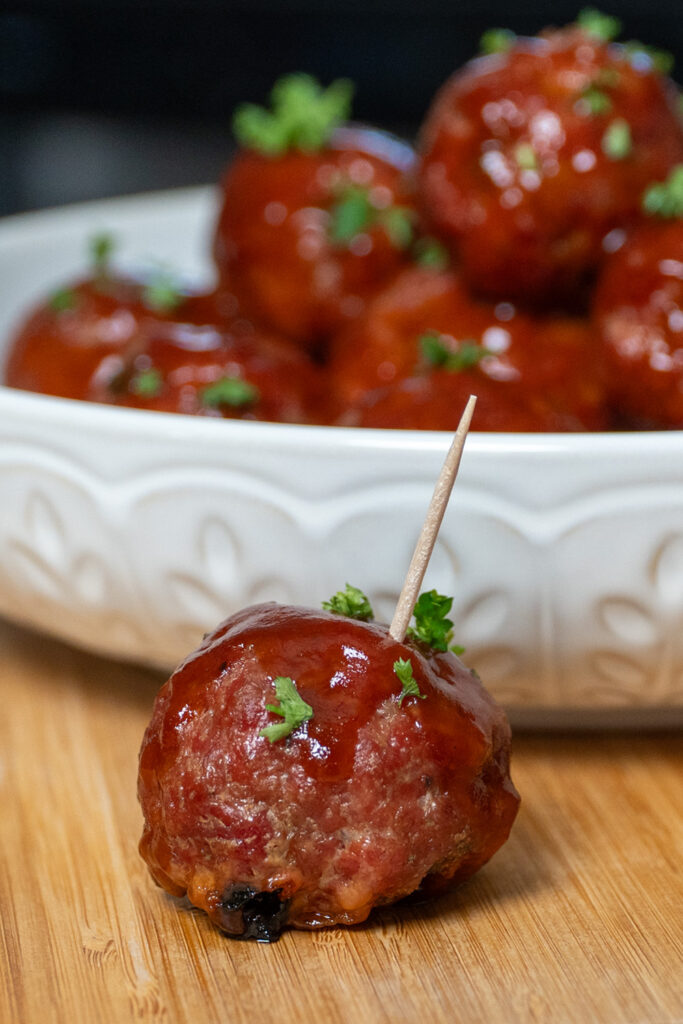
[(351, 602), (146, 383), (353, 212), (497, 40), (432, 627), (63, 299), (617, 143), (437, 354), (665, 198), (593, 101), (101, 248), (304, 116), (430, 253), (232, 391), (163, 292), (292, 708), (525, 157), (646, 57), (603, 27), (403, 668), (397, 221)]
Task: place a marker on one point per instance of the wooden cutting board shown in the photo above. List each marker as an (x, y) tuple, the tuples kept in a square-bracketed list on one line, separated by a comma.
[(578, 918)]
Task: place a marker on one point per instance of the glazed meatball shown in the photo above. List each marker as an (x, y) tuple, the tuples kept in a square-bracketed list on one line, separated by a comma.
[(638, 310), (435, 401), (305, 235), (58, 347), (530, 156), (540, 369), (193, 363), (302, 767)]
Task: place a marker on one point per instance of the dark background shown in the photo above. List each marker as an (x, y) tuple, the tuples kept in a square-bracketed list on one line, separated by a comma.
[(110, 97)]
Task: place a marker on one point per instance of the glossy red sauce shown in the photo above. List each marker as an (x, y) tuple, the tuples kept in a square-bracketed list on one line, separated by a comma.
[(638, 310), (514, 171), (542, 370), (333, 818), (60, 344), (273, 245)]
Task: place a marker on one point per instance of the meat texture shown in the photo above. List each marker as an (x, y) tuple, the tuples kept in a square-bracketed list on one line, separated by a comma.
[(378, 794)]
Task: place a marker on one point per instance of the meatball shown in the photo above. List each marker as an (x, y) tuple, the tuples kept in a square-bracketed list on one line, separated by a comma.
[(529, 157), (304, 237), (60, 344), (638, 310), (435, 402), (388, 774), (197, 365), (540, 369)]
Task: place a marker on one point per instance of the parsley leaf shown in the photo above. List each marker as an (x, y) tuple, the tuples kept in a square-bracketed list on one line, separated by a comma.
[(437, 354), (304, 116), (351, 214), (351, 602), (101, 247), (593, 101), (602, 27), (525, 157), (63, 300), (665, 198), (162, 293), (292, 708), (646, 58), (430, 253), (497, 40), (397, 221), (146, 383), (431, 625), (617, 143), (354, 212), (232, 391), (403, 668)]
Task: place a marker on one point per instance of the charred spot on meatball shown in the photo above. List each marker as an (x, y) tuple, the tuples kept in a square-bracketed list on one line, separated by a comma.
[(246, 914)]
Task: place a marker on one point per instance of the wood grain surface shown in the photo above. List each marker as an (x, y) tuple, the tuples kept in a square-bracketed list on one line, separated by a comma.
[(577, 918)]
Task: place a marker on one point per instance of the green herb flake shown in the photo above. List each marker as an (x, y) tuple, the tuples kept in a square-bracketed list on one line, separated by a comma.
[(432, 627), (163, 292), (525, 157), (292, 708), (431, 254), (146, 383), (351, 214), (231, 391), (617, 143), (397, 221), (404, 670), (497, 40), (645, 58), (303, 116), (351, 602), (593, 101), (63, 300), (465, 356), (603, 27), (665, 198), (101, 247)]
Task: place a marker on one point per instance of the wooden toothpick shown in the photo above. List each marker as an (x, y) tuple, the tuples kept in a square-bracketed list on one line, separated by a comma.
[(430, 528)]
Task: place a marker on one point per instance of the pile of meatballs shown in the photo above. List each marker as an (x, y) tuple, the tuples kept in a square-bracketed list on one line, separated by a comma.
[(528, 250)]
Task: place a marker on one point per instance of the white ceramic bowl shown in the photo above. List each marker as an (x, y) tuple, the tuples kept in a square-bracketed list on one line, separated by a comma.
[(132, 533)]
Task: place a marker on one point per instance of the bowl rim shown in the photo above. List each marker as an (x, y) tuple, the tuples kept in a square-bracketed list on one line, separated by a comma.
[(123, 423)]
